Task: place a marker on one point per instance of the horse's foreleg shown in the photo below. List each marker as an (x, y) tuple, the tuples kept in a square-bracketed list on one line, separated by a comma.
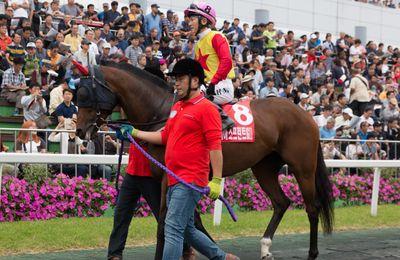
[(161, 219), (266, 173)]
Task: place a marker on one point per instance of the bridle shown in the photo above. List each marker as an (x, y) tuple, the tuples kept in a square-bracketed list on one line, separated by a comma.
[(111, 99)]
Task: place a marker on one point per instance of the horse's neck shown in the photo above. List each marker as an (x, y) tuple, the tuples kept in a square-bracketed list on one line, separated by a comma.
[(142, 102)]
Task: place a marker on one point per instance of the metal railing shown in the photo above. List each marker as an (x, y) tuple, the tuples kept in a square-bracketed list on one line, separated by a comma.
[(106, 169)]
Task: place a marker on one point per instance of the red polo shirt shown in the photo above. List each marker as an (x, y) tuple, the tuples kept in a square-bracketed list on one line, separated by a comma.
[(138, 164), (192, 131)]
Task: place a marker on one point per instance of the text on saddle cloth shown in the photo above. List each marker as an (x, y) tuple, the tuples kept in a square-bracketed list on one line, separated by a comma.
[(243, 131)]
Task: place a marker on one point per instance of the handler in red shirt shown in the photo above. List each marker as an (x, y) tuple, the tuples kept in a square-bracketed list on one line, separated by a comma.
[(193, 139)]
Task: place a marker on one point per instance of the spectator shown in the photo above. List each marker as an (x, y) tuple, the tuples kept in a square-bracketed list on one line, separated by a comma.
[(372, 149), (391, 111), (71, 9), (66, 109), (151, 37), (366, 117), (151, 61), (53, 57), (13, 85), (31, 60), (298, 80), (330, 151), (362, 133), (20, 7), (269, 89), (304, 101), (153, 20), (101, 15), (322, 119), (70, 144), (84, 56), (184, 27), (176, 41), (158, 54), (142, 61), (103, 144), (91, 13), (133, 51), (73, 39), (257, 38), (35, 108), (15, 49), (5, 40), (328, 44), (344, 120), (328, 130), (111, 15), (270, 35), (354, 151), (93, 49), (122, 42), (237, 32), (105, 54), (359, 96), (305, 87), (28, 141), (122, 20)]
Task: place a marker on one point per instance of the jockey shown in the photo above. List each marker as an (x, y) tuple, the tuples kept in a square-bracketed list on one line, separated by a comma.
[(213, 52)]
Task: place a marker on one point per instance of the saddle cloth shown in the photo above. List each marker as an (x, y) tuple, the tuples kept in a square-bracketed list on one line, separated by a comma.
[(243, 131)]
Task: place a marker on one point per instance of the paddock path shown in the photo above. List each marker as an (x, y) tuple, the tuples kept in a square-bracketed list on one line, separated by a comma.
[(365, 244)]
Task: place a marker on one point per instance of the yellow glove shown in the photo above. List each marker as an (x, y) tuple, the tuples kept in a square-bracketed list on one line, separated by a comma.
[(215, 187)]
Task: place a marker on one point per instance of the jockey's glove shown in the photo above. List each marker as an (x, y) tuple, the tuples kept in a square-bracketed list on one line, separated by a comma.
[(210, 91), (121, 133), (215, 187)]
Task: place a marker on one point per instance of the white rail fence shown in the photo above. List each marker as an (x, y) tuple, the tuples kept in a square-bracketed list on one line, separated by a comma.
[(113, 159)]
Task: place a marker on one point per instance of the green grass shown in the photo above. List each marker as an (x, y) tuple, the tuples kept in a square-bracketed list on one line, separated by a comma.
[(79, 233)]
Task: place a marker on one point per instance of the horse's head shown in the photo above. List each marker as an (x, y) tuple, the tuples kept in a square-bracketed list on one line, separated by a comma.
[(96, 102)]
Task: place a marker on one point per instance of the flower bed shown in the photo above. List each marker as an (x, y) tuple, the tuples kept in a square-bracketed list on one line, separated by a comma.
[(78, 197), (58, 197)]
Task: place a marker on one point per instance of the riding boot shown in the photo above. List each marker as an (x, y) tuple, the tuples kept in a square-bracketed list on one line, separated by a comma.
[(227, 122)]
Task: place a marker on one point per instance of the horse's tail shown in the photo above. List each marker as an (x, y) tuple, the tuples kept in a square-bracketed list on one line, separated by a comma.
[(324, 195)]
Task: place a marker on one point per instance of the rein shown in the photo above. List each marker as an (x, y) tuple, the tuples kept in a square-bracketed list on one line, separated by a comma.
[(204, 191)]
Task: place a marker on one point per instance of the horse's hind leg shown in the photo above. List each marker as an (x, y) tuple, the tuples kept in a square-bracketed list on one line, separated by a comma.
[(266, 173), (304, 171), (307, 187)]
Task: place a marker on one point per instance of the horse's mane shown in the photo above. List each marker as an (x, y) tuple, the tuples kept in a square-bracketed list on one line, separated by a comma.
[(142, 74)]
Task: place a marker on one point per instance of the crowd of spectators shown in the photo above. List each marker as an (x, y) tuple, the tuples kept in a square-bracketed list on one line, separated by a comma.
[(315, 71), (395, 4)]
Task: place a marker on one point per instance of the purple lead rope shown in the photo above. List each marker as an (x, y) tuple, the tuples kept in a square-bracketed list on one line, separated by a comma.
[(204, 191)]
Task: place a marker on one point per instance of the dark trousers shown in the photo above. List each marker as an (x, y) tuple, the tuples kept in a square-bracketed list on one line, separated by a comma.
[(359, 107), (131, 190)]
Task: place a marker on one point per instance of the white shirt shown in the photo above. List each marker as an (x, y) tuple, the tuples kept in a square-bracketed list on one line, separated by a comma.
[(352, 151), (84, 58), (369, 120), (321, 120), (19, 12), (62, 138)]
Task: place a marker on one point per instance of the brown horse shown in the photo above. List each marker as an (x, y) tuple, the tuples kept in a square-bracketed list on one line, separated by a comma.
[(285, 134)]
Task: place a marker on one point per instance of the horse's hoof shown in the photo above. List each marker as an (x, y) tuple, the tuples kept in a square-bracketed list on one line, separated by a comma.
[(268, 256)]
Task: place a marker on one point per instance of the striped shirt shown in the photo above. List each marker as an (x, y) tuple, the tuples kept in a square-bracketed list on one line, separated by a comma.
[(15, 51), (10, 78)]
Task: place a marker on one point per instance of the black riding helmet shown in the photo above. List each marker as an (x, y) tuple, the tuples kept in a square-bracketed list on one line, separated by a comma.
[(191, 68), (188, 67)]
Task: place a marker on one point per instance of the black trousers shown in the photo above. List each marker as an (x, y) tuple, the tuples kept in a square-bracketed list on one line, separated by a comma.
[(359, 107), (131, 189)]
